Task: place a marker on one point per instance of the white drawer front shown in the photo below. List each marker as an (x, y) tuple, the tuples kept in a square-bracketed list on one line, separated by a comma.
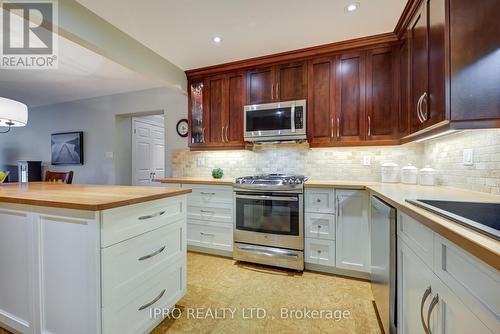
[(126, 263), (320, 226), (129, 221), (419, 237), (474, 282), (203, 195), (210, 235), (320, 251), (163, 289), (320, 200), (222, 213)]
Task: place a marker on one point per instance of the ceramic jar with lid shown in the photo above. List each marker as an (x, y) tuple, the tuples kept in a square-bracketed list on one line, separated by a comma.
[(390, 172), (409, 174), (427, 176)]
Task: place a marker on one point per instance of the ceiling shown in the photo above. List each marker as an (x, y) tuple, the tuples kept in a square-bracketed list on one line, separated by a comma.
[(81, 74), (182, 30)]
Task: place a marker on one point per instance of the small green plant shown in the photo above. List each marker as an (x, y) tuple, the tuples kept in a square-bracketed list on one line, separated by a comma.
[(217, 173)]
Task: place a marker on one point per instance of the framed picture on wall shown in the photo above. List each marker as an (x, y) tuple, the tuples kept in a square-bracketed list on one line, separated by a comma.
[(67, 148)]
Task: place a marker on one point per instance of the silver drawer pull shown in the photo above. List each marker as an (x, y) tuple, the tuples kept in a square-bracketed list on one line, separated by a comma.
[(433, 304), (204, 193), (207, 234), (153, 301), (270, 198), (426, 294), (152, 216), (145, 257), (268, 252), (206, 211)]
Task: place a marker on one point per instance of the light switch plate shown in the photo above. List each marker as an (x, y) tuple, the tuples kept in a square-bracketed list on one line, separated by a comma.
[(367, 160), (468, 155), (200, 162), (109, 155)]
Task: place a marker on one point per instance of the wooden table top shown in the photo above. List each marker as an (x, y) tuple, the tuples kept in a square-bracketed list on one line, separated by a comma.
[(82, 196)]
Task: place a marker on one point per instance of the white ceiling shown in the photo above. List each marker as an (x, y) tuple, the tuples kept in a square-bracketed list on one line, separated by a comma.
[(181, 30), (81, 74)]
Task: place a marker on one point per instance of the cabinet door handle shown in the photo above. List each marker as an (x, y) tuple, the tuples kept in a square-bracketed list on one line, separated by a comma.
[(369, 126), (222, 133), (207, 211), (433, 304), (145, 257), (419, 109), (272, 92), (153, 301), (278, 91), (331, 123), (426, 294), (227, 130), (152, 216), (205, 193), (425, 117), (207, 234), (338, 127)]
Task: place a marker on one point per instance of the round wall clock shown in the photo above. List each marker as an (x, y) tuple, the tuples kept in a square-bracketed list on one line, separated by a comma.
[(182, 127)]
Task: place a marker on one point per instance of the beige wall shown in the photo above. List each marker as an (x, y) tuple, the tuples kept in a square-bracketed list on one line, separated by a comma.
[(444, 154)]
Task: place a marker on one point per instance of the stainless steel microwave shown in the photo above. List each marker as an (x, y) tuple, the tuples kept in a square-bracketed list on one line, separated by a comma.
[(275, 121)]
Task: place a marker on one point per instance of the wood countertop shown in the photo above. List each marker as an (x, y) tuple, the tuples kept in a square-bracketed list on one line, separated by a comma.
[(82, 197), (198, 180), (483, 247)]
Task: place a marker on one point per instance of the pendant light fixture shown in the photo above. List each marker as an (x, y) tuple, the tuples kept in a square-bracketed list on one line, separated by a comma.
[(12, 114)]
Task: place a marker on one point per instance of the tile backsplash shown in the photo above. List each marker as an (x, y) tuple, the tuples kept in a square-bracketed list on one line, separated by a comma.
[(346, 163), (322, 163), (446, 155)]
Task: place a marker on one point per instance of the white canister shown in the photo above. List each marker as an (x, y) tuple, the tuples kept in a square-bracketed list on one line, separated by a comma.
[(427, 176), (409, 174), (390, 172)]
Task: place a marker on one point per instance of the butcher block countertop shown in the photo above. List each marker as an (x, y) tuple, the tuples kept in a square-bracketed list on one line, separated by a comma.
[(395, 194), (82, 196)]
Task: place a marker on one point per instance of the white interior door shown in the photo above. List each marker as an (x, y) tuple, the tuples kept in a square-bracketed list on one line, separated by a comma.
[(148, 152)]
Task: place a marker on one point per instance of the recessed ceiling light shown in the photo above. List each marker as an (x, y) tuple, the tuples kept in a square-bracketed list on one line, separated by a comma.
[(352, 7), (216, 39)]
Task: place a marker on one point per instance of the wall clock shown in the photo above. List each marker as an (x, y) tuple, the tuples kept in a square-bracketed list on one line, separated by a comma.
[(182, 127)]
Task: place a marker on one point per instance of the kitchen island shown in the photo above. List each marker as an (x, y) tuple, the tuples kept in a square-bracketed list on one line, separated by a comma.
[(88, 258)]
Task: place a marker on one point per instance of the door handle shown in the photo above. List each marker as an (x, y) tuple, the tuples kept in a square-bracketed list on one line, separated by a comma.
[(331, 126), (152, 216), (369, 126), (153, 301), (419, 109), (227, 130), (278, 91), (222, 133), (426, 294), (207, 234), (145, 257), (425, 116), (338, 127), (272, 92), (433, 304)]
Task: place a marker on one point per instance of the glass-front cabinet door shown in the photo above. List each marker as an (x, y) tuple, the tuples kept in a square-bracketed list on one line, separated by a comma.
[(196, 90)]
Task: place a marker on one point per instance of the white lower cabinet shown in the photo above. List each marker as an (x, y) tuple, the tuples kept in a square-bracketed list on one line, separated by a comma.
[(432, 302), (319, 251), (353, 230), (210, 218), (59, 275)]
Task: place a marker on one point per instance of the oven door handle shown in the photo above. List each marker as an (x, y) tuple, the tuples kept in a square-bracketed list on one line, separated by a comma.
[(272, 198), (268, 252)]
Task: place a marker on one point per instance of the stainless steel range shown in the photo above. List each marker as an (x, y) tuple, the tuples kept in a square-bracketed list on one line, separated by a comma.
[(269, 220)]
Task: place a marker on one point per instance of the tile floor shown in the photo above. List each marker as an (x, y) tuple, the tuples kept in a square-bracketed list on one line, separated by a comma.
[(216, 284)]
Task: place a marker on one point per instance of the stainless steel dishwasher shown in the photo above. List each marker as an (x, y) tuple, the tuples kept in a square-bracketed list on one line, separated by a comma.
[(383, 262)]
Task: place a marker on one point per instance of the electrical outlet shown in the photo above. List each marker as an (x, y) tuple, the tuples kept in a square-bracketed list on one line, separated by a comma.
[(200, 162), (109, 155), (468, 157), (367, 160)]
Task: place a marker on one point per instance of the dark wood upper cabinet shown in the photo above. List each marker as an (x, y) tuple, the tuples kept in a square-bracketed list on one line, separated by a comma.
[(382, 93), (419, 68), (235, 97), (321, 97), (292, 81), (216, 109), (261, 85), (350, 112), (277, 83), (404, 87), (475, 61)]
